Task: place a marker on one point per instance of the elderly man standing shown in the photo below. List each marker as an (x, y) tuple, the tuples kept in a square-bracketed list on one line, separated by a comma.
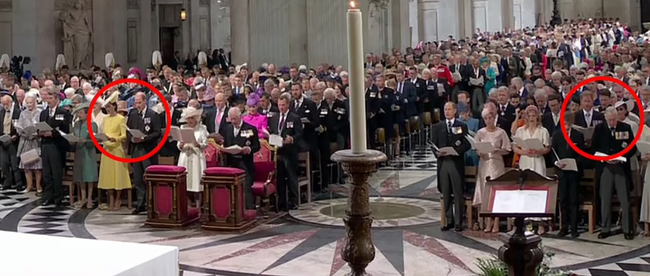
[(613, 137), (9, 144), (148, 122)]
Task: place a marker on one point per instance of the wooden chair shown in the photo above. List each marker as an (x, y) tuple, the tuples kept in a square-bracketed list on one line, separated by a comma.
[(304, 180), (470, 177), (414, 123), (588, 182), (428, 123)]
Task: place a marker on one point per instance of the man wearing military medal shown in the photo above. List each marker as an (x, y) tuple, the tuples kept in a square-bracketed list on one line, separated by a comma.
[(244, 135), (451, 168), (615, 175), (148, 122)]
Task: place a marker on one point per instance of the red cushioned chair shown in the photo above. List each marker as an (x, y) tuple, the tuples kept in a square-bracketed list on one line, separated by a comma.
[(167, 197), (224, 207), (264, 188)]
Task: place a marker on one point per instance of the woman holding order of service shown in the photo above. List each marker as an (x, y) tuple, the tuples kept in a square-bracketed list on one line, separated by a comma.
[(192, 156), (114, 175)]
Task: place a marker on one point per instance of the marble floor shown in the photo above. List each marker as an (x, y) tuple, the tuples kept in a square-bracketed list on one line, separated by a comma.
[(308, 241)]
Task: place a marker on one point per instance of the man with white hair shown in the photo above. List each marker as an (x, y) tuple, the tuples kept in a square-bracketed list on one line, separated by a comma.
[(518, 84), (20, 97), (613, 137), (10, 113), (244, 135)]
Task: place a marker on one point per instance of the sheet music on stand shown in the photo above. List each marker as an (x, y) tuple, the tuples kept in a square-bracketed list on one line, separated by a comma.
[(520, 201)]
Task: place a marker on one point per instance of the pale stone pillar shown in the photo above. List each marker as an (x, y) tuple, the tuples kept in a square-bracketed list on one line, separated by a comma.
[(414, 21), (507, 15), (144, 57), (25, 36), (119, 22), (185, 32), (239, 32), (466, 18), (495, 18), (400, 24), (102, 31), (194, 16), (155, 9), (298, 32), (220, 25)]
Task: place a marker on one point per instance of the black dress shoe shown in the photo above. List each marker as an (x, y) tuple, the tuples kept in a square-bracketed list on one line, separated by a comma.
[(603, 235), (563, 233), (447, 227), (458, 228), (4, 188), (629, 236), (138, 210), (575, 234), (47, 202)]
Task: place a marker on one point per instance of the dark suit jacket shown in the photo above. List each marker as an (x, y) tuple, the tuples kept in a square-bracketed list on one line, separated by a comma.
[(597, 118), (150, 124), (292, 127), (170, 148), (14, 118), (210, 120), (608, 144), (334, 119), (410, 95), (306, 110), (269, 113), (62, 121), (549, 123), (441, 138), (247, 137), (561, 147), (420, 91)]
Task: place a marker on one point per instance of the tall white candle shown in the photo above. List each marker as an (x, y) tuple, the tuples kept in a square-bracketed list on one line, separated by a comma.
[(357, 78)]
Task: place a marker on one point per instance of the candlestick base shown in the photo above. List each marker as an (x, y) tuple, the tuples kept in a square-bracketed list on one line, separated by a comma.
[(521, 252), (359, 250)]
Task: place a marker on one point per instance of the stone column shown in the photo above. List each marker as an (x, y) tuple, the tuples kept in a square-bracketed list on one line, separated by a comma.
[(144, 57), (102, 31), (298, 34), (400, 24), (33, 40), (414, 21), (507, 14), (119, 21), (185, 31), (194, 16), (220, 22), (155, 29), (239, 32), (467, 13)]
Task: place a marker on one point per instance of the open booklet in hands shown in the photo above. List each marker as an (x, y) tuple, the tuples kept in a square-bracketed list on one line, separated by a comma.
[(529, 144), (620, 158), (587, 132), (445, 150)]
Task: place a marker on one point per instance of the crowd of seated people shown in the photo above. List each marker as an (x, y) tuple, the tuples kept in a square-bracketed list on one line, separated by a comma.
[(492, 88)]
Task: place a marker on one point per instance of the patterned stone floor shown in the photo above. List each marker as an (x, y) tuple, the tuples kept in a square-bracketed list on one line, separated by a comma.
[(309, 240)]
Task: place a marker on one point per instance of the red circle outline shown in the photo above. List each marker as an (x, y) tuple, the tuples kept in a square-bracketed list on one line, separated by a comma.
[(567, 99), (162, 141)]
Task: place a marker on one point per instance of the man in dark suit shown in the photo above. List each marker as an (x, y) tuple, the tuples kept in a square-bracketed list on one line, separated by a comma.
[(54, 148), (170, 148), (148, 122), (613, 137), (306, 110), (587, 116), (287, 125), (451, 168), (568, 182), (373, 107), (267, 107), (551, 120), (408, 94), (245, 136), (420, 89), (216, 120), (8, 151)]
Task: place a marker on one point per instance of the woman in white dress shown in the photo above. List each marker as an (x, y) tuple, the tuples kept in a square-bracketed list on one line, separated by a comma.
[(645, 198), (192, 155), (533, 159)]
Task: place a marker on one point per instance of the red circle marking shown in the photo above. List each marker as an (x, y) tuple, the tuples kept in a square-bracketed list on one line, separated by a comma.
[(162, 141), (568, 99)]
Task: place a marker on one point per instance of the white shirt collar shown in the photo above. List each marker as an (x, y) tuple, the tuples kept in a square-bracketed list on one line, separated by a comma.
[(588, 111), (451, 121)]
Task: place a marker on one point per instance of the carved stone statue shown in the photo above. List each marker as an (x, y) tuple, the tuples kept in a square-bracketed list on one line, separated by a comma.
[(77, 33)]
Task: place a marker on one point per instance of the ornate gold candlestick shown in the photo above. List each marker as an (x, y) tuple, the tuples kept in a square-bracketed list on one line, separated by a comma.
[(359, 250)]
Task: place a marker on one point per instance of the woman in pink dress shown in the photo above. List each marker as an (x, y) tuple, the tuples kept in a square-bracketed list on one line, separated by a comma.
[(490, 164), (256, 119)]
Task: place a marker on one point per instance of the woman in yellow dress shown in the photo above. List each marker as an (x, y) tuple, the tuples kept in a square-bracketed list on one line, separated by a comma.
[(114, 175)]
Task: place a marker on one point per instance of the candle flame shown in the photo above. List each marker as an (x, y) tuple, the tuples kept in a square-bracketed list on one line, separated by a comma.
[(353, 4)]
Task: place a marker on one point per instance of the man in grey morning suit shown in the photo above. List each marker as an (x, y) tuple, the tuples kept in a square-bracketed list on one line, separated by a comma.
[(613, 137), (451, 169)]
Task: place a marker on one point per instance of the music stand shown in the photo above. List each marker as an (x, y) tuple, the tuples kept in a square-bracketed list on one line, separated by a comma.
[(520, 194)]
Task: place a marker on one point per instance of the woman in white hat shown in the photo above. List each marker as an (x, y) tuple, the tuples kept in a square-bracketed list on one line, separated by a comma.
[(192, 156), (114, 175)]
